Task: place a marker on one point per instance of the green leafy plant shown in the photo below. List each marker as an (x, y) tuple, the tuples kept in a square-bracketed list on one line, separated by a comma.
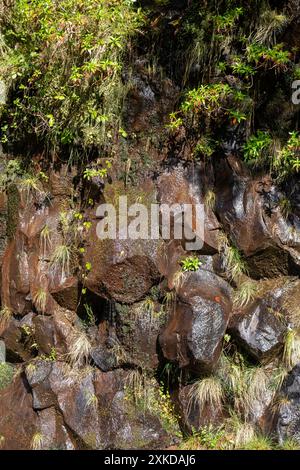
[(257, 147), (205, 147), (274, 57), (206, 97), (175, 121), (191, 263), (239, 67), (208, 437), (287, 161)]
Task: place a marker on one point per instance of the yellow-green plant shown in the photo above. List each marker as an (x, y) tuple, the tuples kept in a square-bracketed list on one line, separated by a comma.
[(80, 349), (207, 391), (245, 293), (291, 350), (79, 104), (40, 299), (37, 441), (5, 316)]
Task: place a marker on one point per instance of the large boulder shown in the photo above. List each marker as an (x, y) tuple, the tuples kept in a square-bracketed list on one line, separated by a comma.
[(193, 335), (249, 209), (288, 420), (261, 325), (18, 421), (259, 331), (94, 406), (123, 269)]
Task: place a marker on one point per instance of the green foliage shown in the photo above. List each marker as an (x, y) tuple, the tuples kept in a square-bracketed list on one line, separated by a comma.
[(274, 57), (287, 161), (175, 121), (208, 437), (283, 162), (257, 147), (6, 374), (228, 19), (205, 147), (239, 67), (64, 60), (191, 263), (208, 98)]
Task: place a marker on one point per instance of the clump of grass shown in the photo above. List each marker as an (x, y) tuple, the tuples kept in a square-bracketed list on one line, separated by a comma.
[(135, 384), (37, 441), (80, 349), (61, 258), (40, 299), (235, 265), (5, 316), (91, 400), (30, 183), (286, 207), (291, 350), (149, 305), (210, 199), (207, 391), (270, 25), (169, 300), (45, 239), (257, 383), (242, 431), (258, 442), (245, 293), (6, 374), (289, 444), (178, 279), (233, 260)]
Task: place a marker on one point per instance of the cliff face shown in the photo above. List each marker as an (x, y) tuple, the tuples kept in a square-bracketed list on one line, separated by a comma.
[(122, 343)]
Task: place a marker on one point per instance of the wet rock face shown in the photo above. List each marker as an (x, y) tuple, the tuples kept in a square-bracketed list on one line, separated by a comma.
[(192, 417), (249, 208), (259, 331), (76, 409), (288, 422), (179, 186), (138, 327), (17, 423), (123, 270), (194, 333)]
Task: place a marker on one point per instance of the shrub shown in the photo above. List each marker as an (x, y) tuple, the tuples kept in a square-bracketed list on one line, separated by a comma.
[(64, 60), (257, 147)]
